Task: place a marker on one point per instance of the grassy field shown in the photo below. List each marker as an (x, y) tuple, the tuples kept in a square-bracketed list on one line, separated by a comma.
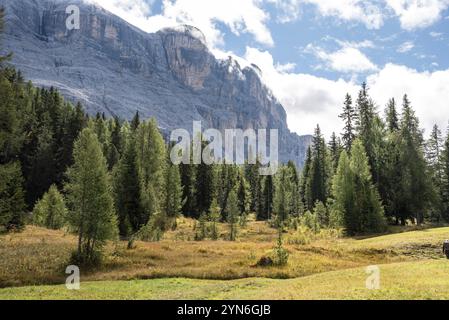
[(409, 280), (411, 263)]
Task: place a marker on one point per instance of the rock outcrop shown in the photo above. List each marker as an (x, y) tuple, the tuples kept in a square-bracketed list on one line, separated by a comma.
[(115, 68)]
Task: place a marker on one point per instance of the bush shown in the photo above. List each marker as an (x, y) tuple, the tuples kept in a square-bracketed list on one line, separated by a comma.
[(281, 255), (50, 211)]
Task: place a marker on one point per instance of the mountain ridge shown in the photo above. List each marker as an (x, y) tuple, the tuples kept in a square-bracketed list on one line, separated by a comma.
[(113, 67)]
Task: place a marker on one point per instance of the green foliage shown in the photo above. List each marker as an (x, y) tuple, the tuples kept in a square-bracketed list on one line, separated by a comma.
[(201, 228), (151, 164), (232, 211), (281, 255), (214, 218), (173, 195), (89, 196), (356, 198), (50, 211), (12, 204), (348, 116)]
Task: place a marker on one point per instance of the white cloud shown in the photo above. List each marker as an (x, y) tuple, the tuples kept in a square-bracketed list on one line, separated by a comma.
[(133, 11), (415, 14), (240, 16), (348, 59), (428, 91), (363, 11), (310, 100), (406, 47)]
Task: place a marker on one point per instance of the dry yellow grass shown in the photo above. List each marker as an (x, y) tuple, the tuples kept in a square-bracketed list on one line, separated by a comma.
[(39, 256)]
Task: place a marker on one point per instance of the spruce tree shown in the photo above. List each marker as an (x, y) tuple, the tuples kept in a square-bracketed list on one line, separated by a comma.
[(12, 203), (319, 172), (356, 198), (173, 195), (127, 191), (415, 183), (232, 215), (214, 218), (349, 118), (89, 195), (434, 160), (445, 177), (151, 164)]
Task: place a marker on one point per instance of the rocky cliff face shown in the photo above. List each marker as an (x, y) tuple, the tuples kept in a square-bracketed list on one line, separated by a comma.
[(113, 67)]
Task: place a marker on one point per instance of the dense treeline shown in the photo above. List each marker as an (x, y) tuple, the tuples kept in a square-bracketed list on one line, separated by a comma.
[(103, 178)]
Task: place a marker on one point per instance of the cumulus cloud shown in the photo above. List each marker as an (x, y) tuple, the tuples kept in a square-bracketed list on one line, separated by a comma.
[(415, 14), (240, 16), (348, 59), (406, 47), (362, 11), (310, 100)]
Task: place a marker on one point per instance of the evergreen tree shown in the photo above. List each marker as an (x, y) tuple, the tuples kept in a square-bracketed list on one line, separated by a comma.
[(319, 171), (12, 203), (335, 149), (214, 218), (349, 117), (267, 198), (392, 116), (204, 187), (356, 198), (127, 191), (445, 178), (415, 183), (305, 188), (135, 122), (151, 164), (283, 204), (188, 173), (50, 211), (173, 195), (434, 160), (232, 211), (89, 196)]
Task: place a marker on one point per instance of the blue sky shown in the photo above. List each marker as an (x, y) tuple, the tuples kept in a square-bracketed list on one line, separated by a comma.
[(312, 52)]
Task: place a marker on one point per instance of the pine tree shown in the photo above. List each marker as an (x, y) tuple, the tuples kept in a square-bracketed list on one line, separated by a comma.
[(367, 205), (415, 183), (356, 198), (204, 187), (305, 190), (50, 211), (267, 198), (283, 204), (392, 116), (349, 117), (434, 160), (335, 149), (135, 123), (127, 191), (89, 195), (319, 171), (214, 218), (232, 211), (12, 203), (243, 194), (445, 178), (173, 195), (151, 164)]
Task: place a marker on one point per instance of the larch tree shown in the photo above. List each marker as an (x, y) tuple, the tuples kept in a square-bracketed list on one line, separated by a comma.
[(89, 195), (50, 211)]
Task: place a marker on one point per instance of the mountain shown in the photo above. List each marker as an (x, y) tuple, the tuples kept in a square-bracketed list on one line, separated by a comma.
[(115, 68)]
